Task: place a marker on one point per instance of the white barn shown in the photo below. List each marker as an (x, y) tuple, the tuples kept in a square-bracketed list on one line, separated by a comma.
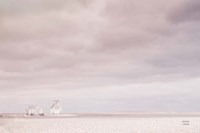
[(56, 108)]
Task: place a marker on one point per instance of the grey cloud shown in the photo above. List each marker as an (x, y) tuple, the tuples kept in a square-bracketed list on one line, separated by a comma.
[(185, 12), (133, 24), (129, 41)]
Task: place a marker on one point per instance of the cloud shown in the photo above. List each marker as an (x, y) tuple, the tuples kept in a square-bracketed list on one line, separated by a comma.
[(97, 49), (187, 11), (72, 18)]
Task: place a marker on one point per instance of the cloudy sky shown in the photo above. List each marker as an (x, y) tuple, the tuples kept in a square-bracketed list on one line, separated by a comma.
[(100, 55)]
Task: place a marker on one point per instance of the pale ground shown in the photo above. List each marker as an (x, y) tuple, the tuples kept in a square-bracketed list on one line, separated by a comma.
[(101, 124)]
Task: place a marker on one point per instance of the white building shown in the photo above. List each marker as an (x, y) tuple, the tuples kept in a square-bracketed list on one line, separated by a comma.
[(34, 110), (56, 108)]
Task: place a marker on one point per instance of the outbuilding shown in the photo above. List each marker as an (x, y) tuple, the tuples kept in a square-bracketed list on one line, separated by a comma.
[(34, 110)]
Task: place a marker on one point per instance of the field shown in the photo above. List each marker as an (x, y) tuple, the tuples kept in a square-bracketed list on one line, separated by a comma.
[(101, 124)]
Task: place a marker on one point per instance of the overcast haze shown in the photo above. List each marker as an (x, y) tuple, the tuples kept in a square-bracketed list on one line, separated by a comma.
[(100, 55)]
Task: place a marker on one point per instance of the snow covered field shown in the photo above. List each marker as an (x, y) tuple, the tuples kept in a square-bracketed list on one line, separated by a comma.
[(101, 124)]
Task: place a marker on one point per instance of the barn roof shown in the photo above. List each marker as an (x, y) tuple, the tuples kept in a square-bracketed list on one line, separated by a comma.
[(56, 105)]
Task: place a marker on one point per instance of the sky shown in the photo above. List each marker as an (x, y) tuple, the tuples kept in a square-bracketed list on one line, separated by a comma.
[(100, 55)]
